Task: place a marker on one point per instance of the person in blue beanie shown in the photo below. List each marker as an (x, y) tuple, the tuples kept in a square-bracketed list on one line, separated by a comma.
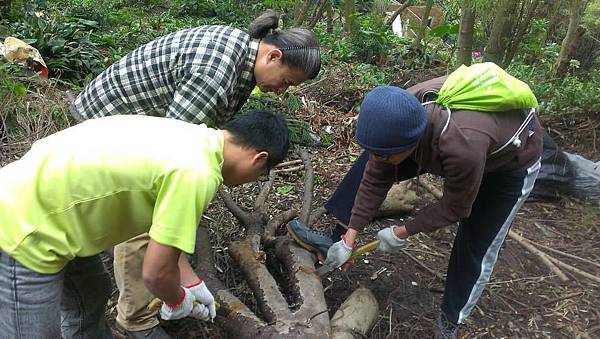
[(489, 162)]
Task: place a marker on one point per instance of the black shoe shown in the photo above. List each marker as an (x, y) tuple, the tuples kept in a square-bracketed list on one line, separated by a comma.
[(444, 328), (315, 241)]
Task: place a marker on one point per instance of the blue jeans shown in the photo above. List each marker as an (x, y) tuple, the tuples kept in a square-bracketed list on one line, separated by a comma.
[(70, 303)]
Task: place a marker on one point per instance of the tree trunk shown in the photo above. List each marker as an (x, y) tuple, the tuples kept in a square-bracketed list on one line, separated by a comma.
[(300, 15), (465, 34), (571, 39), (522, 27), (318, 13), (423, 27), (348, 15), (494, 50), (329, 12)]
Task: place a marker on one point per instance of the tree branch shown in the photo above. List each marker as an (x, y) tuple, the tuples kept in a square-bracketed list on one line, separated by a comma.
[(236, 210), (541, 255), (277, 221), (309, 179), (404, 6), (259, 203), (232, 310), (307, 284), (316, 215), (270, 301)]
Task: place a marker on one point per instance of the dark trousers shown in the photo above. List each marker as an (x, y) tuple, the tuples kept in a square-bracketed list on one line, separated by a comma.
[(478, 238)]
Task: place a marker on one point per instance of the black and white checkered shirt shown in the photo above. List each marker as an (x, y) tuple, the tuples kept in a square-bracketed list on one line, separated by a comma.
[(198, 75)]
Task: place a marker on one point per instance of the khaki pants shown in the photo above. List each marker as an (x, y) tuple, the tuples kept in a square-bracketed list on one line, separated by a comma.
[(132, 314)]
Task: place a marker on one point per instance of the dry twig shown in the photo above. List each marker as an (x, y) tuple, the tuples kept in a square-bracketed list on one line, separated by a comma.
[(541, 255)]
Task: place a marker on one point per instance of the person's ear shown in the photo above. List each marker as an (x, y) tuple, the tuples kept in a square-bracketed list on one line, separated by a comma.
[(274, 55), (260, 158)]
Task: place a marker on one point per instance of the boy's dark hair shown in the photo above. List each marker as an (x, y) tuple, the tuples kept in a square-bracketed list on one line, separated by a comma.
[(262, 130)]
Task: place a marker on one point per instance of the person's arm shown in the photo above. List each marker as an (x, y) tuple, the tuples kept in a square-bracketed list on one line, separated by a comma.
[(161, 273), (202, 91), (186, 272), (377, 180)]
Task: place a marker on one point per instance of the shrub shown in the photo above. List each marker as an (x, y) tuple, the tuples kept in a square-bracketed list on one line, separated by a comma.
[(66, 45)]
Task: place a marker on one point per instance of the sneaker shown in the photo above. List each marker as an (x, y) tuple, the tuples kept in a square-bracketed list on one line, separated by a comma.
[(444, 328), (318, 242)]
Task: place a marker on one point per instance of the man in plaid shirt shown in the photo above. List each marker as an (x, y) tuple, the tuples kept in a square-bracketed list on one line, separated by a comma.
[(198, 75)]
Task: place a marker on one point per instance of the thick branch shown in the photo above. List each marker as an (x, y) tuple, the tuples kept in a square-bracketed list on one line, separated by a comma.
[(236, 210), (300, 262), (277, 221), (309, 179), (232, 311), (316, 215), (356, 315), (271, 302), (259, 203)]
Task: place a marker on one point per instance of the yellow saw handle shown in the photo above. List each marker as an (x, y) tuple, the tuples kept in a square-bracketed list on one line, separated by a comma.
[(364, 249)]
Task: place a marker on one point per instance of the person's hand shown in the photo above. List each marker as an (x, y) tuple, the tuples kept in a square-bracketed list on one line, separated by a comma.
[(389, 241), (203, 295), (179, 310), (338, 253)]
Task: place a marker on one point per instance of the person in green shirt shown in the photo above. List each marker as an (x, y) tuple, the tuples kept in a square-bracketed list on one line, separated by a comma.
[(72, 196)]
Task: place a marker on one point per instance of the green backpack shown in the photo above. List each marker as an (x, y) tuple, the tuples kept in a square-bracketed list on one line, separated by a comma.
[(485, 87)]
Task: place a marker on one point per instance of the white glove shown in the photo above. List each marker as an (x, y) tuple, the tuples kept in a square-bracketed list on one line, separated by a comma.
[(180, 310), (389, 242), (338, 254), (206, 311)]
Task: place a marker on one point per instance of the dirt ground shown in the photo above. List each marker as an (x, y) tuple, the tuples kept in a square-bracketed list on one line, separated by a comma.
[(524, 298)]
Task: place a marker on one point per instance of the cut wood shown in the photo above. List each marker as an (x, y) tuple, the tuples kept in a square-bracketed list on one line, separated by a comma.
[(399, 200), (356, 315), (430, 187)]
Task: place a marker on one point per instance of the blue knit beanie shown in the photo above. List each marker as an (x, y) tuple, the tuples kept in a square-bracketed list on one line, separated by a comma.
[(390, 121)]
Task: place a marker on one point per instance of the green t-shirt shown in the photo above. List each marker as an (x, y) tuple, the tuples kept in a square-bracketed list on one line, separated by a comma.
[(96, 184)]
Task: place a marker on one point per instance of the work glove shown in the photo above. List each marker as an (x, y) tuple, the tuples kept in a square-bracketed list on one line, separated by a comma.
[(179, 310), (389, 242), (203, 295), (338, 253)]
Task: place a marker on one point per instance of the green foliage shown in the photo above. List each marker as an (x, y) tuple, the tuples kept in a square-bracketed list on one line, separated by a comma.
[(98, 11), (66, 45), (371, 41), (8, 86), (591, 17), (571, 94), (284, 189)]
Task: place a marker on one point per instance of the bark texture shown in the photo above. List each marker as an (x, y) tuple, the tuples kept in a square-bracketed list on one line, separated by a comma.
[(465, 34), (574, 33)]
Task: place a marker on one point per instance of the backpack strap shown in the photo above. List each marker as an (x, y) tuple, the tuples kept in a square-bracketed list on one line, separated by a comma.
[(514, 140)]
